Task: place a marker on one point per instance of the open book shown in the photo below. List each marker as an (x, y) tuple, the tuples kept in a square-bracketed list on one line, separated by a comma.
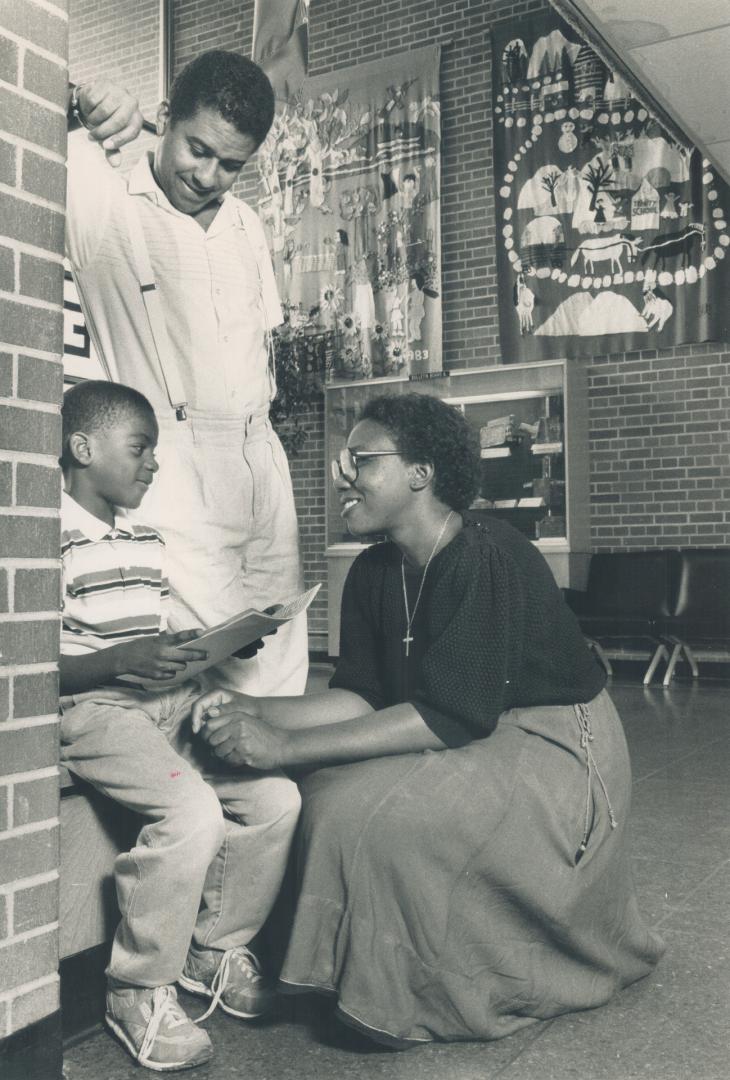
[(223, 640)]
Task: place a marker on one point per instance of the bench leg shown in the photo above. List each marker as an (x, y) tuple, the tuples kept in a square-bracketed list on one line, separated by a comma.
[(660, 653), (690, 658), (673, 659), (601, 655)]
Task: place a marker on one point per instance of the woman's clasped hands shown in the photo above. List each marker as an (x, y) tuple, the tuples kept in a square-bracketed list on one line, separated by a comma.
[(232, 726)]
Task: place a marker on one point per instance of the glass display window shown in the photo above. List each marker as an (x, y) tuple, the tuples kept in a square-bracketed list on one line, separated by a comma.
[(532, 424)]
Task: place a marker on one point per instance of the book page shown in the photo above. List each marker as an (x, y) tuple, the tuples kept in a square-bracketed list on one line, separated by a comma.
[(223, 640)]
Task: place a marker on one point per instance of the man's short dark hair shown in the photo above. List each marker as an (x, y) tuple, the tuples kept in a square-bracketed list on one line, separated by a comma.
[(233, 85), (94, 405), (427, 430)]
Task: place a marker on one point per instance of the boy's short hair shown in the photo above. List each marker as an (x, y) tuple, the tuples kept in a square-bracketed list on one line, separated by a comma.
[(231, 84), (96, 404)]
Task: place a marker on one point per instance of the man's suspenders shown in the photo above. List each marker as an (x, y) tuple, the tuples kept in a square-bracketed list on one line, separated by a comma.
[(155, 314)]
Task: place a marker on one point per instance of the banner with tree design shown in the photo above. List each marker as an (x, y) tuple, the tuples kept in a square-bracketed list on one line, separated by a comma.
[(349, 180), (611, 236)]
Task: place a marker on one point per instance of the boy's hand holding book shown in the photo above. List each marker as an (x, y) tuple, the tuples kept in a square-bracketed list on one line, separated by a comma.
[(156, 657), (241, 636)]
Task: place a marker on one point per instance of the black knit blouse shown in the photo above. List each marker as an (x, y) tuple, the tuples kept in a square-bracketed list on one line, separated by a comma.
[(491, 632)]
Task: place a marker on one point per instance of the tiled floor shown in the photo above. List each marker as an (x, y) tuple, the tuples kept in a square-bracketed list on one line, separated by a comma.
[(675, 1025)]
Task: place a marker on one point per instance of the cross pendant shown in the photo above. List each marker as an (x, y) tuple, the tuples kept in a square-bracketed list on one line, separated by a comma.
[(407, 642)]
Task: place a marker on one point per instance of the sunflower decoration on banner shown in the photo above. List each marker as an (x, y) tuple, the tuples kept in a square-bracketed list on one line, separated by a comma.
[(349, 180), (611, 235)]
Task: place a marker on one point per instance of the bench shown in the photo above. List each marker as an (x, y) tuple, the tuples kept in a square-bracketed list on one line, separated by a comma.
[(94, 831), (698, 627), (626, 593), (658, 605)]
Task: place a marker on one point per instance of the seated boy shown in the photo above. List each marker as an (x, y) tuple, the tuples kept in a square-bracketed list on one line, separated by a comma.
[(199, 883)]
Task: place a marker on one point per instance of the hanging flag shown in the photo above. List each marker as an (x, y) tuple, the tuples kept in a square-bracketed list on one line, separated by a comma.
[(280, 43)]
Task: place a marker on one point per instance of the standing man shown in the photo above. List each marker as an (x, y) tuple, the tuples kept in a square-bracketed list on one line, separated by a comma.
[(177, 286)]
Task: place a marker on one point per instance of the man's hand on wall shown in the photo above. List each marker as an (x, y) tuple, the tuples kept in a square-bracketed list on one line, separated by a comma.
[(110, 114)]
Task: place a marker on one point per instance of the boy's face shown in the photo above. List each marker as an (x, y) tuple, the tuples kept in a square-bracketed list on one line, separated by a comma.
[(122, 459)]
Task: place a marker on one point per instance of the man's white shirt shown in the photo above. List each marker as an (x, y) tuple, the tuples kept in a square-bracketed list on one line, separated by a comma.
[(217, 288)]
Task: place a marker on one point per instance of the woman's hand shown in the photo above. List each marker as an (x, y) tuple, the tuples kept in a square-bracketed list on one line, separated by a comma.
[(212, 704), (241, 739)]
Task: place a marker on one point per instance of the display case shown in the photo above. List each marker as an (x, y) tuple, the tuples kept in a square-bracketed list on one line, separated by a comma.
[(532, 425)]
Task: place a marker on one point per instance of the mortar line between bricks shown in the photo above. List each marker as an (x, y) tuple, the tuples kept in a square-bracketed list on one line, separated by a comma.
[(29, 882), (27, 723), (29, 301), (30, 829), (11, 779), (30, 405), (45, 667), (33, 99), (52, 9), (32, 47), (30, 564), (29, 935), (29, 511), (30, 616), (32, 200), (28, 988), (24, 248)]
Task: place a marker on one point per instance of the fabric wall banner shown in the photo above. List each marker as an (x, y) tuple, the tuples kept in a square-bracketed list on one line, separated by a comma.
[(611, 236), (350, 198), (281, 43)]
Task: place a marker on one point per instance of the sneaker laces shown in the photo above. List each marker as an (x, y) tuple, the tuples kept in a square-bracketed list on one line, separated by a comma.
[(165, 1006), (219, 981)]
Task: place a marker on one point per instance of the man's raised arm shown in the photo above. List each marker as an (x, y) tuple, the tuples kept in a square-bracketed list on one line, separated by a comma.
[(102, 117)]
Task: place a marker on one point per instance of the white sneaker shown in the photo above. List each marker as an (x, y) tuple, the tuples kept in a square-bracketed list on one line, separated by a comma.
[(151, 1024), (232, 979)]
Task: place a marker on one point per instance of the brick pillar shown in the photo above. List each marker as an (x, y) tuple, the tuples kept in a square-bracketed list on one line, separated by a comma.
[(33, 60)]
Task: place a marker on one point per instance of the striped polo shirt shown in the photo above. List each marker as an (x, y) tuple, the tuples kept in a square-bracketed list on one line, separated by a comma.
[(114, 587)]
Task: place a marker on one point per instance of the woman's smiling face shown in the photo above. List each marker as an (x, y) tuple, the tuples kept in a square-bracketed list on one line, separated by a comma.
[(373, 502)]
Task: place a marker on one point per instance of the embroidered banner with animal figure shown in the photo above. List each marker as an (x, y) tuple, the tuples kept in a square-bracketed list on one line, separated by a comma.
[(611, 236), (349, 180)]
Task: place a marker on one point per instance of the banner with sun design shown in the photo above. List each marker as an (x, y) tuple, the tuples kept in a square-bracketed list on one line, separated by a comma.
[(611, 236), (349, 182)]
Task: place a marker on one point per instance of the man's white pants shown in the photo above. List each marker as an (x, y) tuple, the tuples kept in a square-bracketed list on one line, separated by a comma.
[(223, 503)]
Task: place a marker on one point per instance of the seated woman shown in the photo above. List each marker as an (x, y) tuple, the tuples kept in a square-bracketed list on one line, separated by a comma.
[(462, 861)]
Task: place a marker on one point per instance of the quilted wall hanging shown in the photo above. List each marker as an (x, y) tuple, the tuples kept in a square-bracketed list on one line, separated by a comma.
[(349, 182), (611, 236)]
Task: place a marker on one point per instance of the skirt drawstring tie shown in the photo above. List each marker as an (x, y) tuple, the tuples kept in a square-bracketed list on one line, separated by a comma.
[(586, 738)]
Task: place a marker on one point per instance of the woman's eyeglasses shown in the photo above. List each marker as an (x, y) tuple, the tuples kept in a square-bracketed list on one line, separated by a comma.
[(347, 464)]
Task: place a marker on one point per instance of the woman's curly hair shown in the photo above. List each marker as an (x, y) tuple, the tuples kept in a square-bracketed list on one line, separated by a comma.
[(427, 430)]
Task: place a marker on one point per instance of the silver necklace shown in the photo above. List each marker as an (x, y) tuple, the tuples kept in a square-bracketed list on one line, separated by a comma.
[(410, 615)]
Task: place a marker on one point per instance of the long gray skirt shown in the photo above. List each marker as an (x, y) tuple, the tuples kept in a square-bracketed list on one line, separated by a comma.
[(462, 894)]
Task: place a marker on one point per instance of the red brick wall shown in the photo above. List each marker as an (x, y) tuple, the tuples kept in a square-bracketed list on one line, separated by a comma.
[(660, 448), (659, 473), (33, 43), (119, 42)]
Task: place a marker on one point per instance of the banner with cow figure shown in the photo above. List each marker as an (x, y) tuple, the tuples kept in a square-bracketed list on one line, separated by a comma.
[(611, 236)]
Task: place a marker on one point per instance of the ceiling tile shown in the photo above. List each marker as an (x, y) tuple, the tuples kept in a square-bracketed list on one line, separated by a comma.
[(635, 22), (692, 75), (720, 152)]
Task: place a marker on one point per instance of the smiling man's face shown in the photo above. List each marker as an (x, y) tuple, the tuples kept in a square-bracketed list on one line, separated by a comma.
[(198, 159)]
